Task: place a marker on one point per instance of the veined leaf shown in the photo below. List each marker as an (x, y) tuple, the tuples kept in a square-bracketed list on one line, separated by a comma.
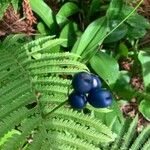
[(106, 67), (144, 108), (122, 87), (65, 11), (69, 32), (91, 38), (144, 58), (114, 9), (43, 10)]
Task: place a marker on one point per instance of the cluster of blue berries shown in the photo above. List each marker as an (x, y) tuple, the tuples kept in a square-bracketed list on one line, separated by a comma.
[(87, 88)]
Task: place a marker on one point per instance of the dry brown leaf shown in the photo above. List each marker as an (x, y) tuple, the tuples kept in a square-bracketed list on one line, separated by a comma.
[(13, 23)]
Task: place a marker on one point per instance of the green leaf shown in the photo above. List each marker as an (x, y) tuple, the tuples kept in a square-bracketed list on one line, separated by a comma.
[(114, 9), (136, 20), (69, 32), (122, 87), (135, 33), (43, 10), (65, 11), (106, 67), (144, 108), (122, 50), (118, 34), (94, 7), (91, 38), (41, 28), (144, 58)]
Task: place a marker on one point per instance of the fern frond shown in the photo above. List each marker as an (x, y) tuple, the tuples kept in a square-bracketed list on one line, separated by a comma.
[(55, 56), (14, 94), (4, 74), (17, 142), (62, 138), (82, 131), (18, 103), (60, 63), (11, 42), (13, 119), (39, 139), (145, 134), (116, 145), (128, 140), (43, 46), (55, 70), (45, 146), (33, 81), (52, 80), (12, 85), (5, 60), (51, 89), (129, 135), (87, 120), (146, 146), (48, 98), (3, 6), (60, 147)]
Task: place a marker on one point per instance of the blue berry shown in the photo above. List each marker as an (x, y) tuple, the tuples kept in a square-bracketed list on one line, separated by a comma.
[(96, 82), (99, 98), (77, 101), (82, 82)]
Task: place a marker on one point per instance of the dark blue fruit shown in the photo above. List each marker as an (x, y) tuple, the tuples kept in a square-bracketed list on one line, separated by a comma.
[(99, 98), (96, 82), (82, 82), (77, 101)]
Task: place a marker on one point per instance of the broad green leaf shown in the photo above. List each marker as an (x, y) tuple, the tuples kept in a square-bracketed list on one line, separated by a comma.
[(94, 7), (123, 50), (65, 11), (144, 58), (91, 37), (144, 108), (106, 67), (43, 10), (118, 34), (41, 28), (114, 9), (135, 20), (135, 33), (122, 86), (69, 32)]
